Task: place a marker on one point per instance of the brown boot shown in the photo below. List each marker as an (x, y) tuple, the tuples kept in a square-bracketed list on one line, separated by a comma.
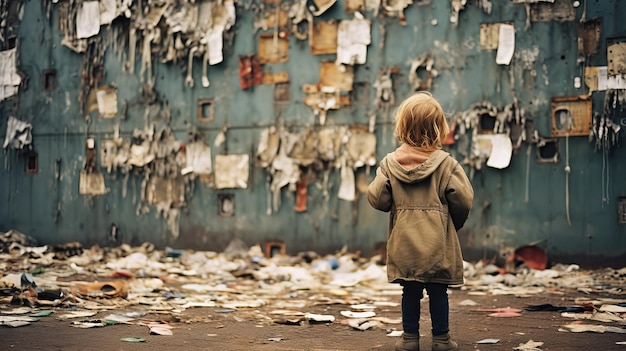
[(444, 343), (409, 342)]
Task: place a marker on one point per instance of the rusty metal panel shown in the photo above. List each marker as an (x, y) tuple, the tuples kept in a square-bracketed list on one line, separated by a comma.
[(589, 36), (354, 5), (273, 48), (489, 36), (616, 56), (332, 75), (323, 37), (571, 116), (559, 11), (273, 78)]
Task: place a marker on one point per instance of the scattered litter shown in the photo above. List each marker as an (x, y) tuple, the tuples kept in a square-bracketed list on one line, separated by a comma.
[(363, 307), (595, 316), (139, 280), (320, 318), (41, 314), (160, 329), (581, 328), (16, 321), (550, 307), (500, 312), (94, 323), (19, 310), (118, 288), (352, 314), (612, 308), (395, 333), (488, 341), (130, 339), (119, 318), (77, 314), (529, 346), (364, 324), (387, 320)]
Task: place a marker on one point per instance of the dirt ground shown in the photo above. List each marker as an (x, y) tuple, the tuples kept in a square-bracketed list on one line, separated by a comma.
[(251, 329)]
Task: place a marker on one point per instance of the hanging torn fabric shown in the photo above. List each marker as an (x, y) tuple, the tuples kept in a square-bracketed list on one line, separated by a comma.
[(88, 20), (456, 7), (11, 80), (347, 187), (330, 142), (269, 142), (361, 149), (385, 96), (426, 63), (304, 151), (302, 193), (395, 8), (198, 159), (318, 7), (107, 101), (18, 135), (284, 171), (353, 37)]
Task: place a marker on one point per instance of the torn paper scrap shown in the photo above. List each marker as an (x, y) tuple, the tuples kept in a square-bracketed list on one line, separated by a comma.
[(215, 46), (108, 11), (8, 73), (530, 345), (92, 183), (598, 79), (501, 151), (231, 171), (347, 188), (353, 37), (18, 134), (88, 20), (198, 159), (107, 101), (488, 341), (506, 44)]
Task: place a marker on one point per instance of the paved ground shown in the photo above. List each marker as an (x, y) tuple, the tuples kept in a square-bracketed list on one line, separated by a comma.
[(252, 329)]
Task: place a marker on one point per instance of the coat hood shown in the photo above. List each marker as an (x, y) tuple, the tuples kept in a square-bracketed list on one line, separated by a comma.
[(410, 165)]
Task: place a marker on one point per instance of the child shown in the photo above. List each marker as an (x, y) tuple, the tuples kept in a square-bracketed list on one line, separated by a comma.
[(428, 196)]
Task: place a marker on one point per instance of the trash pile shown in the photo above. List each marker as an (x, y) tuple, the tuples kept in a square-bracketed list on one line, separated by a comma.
[(77, 284), (81, 282)]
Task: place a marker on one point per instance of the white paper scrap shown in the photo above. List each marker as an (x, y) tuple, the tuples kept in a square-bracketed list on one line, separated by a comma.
[(501, 151), (88, 20), (506, 44)]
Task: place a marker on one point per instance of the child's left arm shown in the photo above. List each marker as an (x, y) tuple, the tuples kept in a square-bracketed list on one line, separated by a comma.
[(379, 191), (460, 195)]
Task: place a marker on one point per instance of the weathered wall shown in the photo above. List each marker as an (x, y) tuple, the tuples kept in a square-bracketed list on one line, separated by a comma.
[(516, 205)]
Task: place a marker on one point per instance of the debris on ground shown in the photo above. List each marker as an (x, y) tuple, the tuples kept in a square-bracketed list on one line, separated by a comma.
[(89, 287)]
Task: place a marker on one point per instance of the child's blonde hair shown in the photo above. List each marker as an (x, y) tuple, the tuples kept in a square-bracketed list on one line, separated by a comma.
[(421, 122)]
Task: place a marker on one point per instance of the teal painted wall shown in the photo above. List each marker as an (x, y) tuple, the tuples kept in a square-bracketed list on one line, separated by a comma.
[(50, 208)]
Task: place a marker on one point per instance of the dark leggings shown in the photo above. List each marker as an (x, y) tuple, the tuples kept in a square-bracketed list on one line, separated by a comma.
[(412, 293)]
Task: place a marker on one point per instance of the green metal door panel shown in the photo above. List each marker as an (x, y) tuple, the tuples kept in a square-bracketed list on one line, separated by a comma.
[(522, 203)]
